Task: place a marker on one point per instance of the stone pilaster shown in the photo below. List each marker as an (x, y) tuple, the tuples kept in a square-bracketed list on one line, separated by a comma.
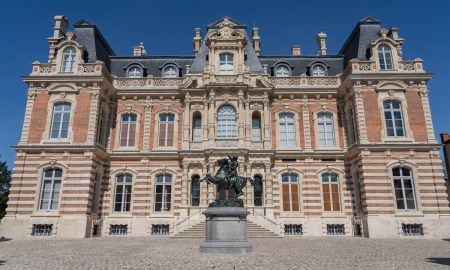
[(204, 187), (211, 187), (306, 124), (267, 124), (268, 184), (241, 118), (147, 121), (423, 91), (249, 190), (360, 116), (186, 121), (93, 115), (27, 118), (184, 185)]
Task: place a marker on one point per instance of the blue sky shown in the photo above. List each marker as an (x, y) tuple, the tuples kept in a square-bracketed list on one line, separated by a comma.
[(167, 27)]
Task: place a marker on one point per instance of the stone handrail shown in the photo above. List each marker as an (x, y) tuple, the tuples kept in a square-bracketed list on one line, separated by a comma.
[(84, 69), (367, 66), (303, 81), (124, 83)]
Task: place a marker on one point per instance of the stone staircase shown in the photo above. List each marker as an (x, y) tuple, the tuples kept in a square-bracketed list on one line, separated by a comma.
[(253, 231)]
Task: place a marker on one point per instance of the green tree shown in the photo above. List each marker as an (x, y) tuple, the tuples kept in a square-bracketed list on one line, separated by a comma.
[(5, 183)]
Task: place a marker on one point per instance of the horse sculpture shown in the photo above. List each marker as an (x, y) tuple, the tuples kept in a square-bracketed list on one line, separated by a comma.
[(228, 178)]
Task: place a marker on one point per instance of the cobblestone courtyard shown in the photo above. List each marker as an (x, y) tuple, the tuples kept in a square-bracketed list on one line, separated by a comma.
[(167, 253)]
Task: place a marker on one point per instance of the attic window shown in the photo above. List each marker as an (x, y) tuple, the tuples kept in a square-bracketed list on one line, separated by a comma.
[(282, 71), (170, 72), (135, 71), (385, 57), (226, 66), (318, 70)]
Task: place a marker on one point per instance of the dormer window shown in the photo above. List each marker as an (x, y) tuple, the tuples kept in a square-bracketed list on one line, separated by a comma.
[(68, 59), (385, 57), (135, 71), (282, 71), (170, 72), (226, 66), (318, 70)]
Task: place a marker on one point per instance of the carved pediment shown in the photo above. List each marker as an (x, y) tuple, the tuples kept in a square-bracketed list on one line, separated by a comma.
[(225, 32)]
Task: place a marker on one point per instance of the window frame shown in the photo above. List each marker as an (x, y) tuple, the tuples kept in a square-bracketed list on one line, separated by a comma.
[(176, 73), (329, 183), (134, 66), (380, 58), (413, 187), (166, 124), (392, 111), (163, 193), (321, 65), (262, 191), (197, 132), (124, 184), (72, 60), (257, 138), (334, 129), (291, 192), (195, 177), (226, 63), (63, 113), (52, 179), (279, 128), (288, 71), (226, 125), (136, 130)]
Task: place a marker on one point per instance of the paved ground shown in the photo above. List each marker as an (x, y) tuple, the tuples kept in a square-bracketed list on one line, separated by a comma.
[(167, 253)]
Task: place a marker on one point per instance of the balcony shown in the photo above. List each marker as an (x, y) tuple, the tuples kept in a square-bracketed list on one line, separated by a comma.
[(85, 69)]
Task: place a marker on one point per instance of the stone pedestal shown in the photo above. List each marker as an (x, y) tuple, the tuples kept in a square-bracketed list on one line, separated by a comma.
[(226, 231)]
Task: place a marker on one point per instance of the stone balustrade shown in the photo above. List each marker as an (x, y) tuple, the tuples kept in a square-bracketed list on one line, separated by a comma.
[(85, 69), (305, 82)]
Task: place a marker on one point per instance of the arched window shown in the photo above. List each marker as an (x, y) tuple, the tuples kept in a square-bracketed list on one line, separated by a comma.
[(166, 129), (122, 195), (226, 122), (68, 59), (404, 188), (291, 194), (195, 191), (287, 130), (226, 66), (170, 72), (258, 191), (330, 189), (318, 70), (393, 118), (50, 190), (60, 120), (135, 71), (385, 57), (197, 127), (282, 71), (163, 192), (128, 130), (256, 127), (325, 129)]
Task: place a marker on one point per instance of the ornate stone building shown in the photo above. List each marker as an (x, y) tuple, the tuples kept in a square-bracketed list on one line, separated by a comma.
[(337, 144)]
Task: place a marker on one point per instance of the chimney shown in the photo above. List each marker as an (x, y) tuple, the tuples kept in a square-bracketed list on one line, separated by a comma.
[(197, 40), (296, 50), (256, 40), (394, 33), (139, 50), (321, 40), (61, 23)]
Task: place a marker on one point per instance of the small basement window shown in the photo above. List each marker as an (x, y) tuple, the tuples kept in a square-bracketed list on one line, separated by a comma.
[(293, 229), (335, 229), (118, 230), (160, 229), (412, 229), (42, 229)]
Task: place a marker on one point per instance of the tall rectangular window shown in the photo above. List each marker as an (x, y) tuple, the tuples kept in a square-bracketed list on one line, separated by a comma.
[(394, 118), (226, 66), (122, 198), (50, 190), (325, 129), (60, 121), (166, 129), (226, 122), (385, 57), (330, 189), (195, 191), (128, 130), (404, 189), (290, 190), (256, 127), (163, 192), (197, 128), (287, 130), (68, 60)]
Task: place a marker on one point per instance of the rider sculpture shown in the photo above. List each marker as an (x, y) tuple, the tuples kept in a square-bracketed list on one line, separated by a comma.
[(227, 178)]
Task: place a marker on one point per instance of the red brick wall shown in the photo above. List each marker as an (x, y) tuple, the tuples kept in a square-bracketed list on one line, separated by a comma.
[(80, 122), (373, 116), (416, 116), (38, 117)]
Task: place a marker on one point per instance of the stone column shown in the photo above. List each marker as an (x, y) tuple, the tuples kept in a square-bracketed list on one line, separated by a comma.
[(423, 91), (147, 121), (27, 118), (266, 122), (211, 118), (249, 188), (359, 111), (184, 185), (306, 125), (268, 184), (248, 123), (186, 121), (205, 119), (211, 187), (241, 118), (93, 115), (204, 187)]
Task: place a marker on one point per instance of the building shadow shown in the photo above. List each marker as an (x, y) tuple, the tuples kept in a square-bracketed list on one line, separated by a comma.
[(4, 239), (2, 262), (443, 261), (446, 240)]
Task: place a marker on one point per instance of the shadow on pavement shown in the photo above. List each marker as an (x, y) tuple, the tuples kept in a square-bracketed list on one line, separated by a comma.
[(444, 261), (2, 262), (4, 239)]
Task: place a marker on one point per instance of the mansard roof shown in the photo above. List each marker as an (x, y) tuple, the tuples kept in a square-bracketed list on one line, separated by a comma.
[(300, 64), (152, 64)]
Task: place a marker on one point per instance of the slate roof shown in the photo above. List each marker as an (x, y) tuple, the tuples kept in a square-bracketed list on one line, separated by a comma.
[(365, 31)]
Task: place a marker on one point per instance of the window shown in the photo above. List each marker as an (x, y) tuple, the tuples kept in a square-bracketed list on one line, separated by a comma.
[(335, 229), (318, 70), (197, 127), (128, 130), (195, 191), (325, 129), (385, 57), (68, 60), (256, 127), (42, 229), (291, 198), (60, 121), (166, 129), (412, 229), (258, 191), (122, 198), (226, 122), (135, 72), (282, 71), (404, 189), (163, 192), (118, 229), (330, 189), (393, 118), (160, 229), (287, 130), (293, 229), (170, 72), (51, 187), (226, 64)]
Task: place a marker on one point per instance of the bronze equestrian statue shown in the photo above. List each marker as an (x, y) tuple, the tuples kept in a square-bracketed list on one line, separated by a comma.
[(227, 178)]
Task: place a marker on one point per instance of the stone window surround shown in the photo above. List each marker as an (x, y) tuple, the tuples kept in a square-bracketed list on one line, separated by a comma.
[(341, 184), (190, 180), (394, 53), (132, 65), (118, 130), (300, 175), (59, 56), (261, 125), (297, 120), (176, 122), (225, 52), (195, 113), (278, 65), (334, 113), (63, 97), (40, 178), (167, 65), (311, 66), (153, 176), (114, 174), (414, 171)]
